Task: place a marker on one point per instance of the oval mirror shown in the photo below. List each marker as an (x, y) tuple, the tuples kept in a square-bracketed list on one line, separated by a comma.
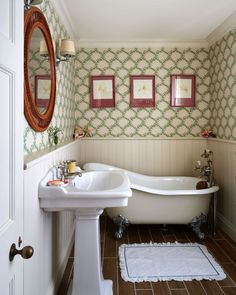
[(39, 71)]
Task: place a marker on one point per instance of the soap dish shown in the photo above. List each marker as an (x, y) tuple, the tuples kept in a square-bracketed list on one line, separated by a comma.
[(57, 182)]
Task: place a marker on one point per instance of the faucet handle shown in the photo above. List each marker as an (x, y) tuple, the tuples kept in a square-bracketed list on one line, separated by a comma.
[(198, 166), (60, 164)]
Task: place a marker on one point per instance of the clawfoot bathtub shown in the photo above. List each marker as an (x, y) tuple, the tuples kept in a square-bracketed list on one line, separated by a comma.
[(161, 200)]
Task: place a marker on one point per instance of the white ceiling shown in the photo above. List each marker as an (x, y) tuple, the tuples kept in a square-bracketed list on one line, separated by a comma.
[(127, 21)]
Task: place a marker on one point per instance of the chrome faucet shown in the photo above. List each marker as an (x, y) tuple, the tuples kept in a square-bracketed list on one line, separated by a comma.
[(63, 173), (207, 171)]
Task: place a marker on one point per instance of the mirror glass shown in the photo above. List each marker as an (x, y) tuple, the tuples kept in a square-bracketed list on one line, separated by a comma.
[(39, 71)]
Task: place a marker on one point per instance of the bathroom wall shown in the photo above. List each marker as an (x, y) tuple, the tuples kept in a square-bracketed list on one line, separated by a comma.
[(157, 141), (162, 140), (50, 234), (225, 176), (162, 120), (64, 112), (222, 121), (223, 87), (166, 156)]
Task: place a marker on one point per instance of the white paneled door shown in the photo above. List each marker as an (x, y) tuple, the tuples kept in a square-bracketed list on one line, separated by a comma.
[(11, 143)]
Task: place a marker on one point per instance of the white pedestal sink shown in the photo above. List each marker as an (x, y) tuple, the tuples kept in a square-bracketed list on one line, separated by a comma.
[(87, 196)]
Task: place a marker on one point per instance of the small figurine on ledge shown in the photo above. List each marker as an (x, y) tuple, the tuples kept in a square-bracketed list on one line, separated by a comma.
[(81, 132), (207, 133)]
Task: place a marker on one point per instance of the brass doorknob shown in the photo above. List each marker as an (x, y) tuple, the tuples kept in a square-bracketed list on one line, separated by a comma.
[(26, 252)]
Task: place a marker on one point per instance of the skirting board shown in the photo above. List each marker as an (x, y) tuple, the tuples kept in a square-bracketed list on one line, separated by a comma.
[(53, 287), (226, 226)]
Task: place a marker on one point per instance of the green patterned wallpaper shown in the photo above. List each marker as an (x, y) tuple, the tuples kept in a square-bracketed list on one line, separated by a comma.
[(64, 112), (162, 120), (223, 87)]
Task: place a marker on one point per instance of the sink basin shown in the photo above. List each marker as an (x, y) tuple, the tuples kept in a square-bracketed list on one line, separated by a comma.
[(99, 189), (87, 196)]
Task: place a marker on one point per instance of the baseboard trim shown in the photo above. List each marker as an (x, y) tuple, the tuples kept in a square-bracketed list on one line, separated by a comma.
[(226, 226)]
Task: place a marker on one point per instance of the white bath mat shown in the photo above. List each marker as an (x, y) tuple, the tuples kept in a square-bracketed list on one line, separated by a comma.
[(168, 261)]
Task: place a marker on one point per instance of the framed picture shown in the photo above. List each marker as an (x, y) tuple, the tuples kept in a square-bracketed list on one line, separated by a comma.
[(102, 91), (182, 89), (142, 91), (42, 90)]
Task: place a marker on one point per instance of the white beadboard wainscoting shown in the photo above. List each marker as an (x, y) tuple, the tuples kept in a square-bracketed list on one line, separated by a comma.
[(225, 176), (50, 234), (173, 156)]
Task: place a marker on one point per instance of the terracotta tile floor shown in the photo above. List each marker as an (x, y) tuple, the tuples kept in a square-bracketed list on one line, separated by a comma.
[(221, 247)]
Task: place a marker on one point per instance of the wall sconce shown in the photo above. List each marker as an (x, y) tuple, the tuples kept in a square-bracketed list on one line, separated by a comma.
[(65, 50), (28, 3)]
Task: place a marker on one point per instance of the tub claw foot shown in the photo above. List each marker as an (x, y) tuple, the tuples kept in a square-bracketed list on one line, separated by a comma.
[(122, 223), (196, 224), (164, 228)]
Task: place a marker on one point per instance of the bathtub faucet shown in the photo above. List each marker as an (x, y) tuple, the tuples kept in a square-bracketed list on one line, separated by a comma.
[(207, 170)]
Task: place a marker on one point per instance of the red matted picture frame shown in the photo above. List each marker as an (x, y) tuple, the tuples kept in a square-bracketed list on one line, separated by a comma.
[(102, 91), (142, 91), (182, 90), (42, 90)]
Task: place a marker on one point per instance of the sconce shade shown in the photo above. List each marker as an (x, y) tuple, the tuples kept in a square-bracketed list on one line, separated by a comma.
[(67, 48), (36, 2), (43, 50)]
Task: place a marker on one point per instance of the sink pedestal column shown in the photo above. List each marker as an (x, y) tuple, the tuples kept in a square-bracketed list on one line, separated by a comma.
[(88, 278)]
